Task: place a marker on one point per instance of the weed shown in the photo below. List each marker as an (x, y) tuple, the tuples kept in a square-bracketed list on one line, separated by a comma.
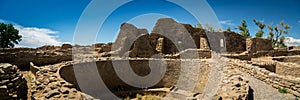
[(282, 90)]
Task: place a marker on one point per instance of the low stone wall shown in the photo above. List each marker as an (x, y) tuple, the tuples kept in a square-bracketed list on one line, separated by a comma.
[(105, 47), (202, 54), (272, 53), (277, 67), (191, 54), (276, 53), (291, 59), (294, 48), (238, 56), (288, 69), (140, 67), (292, 84), (23, 56), (12, 84), (268, 65)]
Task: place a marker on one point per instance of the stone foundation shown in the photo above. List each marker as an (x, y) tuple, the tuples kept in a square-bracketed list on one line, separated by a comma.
[(23, 56), (289, 59), (234, 86), (191, 54), (47, 84), (288, 69), (292, 84)]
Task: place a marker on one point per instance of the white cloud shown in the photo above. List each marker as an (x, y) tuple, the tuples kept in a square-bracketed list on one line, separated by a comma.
[(290, 41), (36, 37), (299, 21), (226, 22)]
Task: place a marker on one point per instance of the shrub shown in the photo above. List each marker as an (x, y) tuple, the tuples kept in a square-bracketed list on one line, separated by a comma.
[(282, 90)]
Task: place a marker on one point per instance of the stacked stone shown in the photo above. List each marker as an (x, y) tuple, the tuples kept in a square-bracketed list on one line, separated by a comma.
[(48, 85), (292, 84), (234, 86), (258, 44), (12, 84)]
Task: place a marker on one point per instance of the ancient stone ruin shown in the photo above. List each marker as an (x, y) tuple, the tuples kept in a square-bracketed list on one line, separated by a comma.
[(199, 65), (12, 84)]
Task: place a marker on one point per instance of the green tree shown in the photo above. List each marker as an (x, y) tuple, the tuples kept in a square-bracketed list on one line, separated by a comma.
[(199, 25), (276, 34), (261, 26), (281, 42), (244, 30), (228, 29), (271, 32), (209, 27), (271, 35), (9, 36)]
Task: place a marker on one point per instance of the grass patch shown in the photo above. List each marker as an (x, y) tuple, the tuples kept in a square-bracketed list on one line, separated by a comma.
[(151, 97), (144, 97), (282, 90)]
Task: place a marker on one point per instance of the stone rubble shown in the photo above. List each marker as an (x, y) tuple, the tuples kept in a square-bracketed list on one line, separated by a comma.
[(12, 83), (49, 85), (234, 86)]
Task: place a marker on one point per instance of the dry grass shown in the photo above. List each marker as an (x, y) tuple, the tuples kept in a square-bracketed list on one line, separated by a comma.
[(144, 97)]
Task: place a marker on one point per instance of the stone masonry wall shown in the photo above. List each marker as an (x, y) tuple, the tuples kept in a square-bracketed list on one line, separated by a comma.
[(271, 53), (214, 41), (234, 86), (111, 79), (47, 85), (191, 54), (287, 59), (235, 42), (292, 84), (23, 56), (288, 69), (12, 83), (140, 67), (258, 44)]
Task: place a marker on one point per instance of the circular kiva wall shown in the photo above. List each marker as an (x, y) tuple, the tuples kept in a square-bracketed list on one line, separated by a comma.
[(175, 68), (140, 67)]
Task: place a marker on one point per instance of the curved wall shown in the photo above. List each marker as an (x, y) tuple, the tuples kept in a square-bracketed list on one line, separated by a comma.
[(140, 67)]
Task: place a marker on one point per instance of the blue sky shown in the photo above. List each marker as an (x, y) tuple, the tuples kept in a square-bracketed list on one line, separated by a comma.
[(53, 22)]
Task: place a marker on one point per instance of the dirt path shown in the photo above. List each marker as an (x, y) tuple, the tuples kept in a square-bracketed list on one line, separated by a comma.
[(215, 77), (263, 91)]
